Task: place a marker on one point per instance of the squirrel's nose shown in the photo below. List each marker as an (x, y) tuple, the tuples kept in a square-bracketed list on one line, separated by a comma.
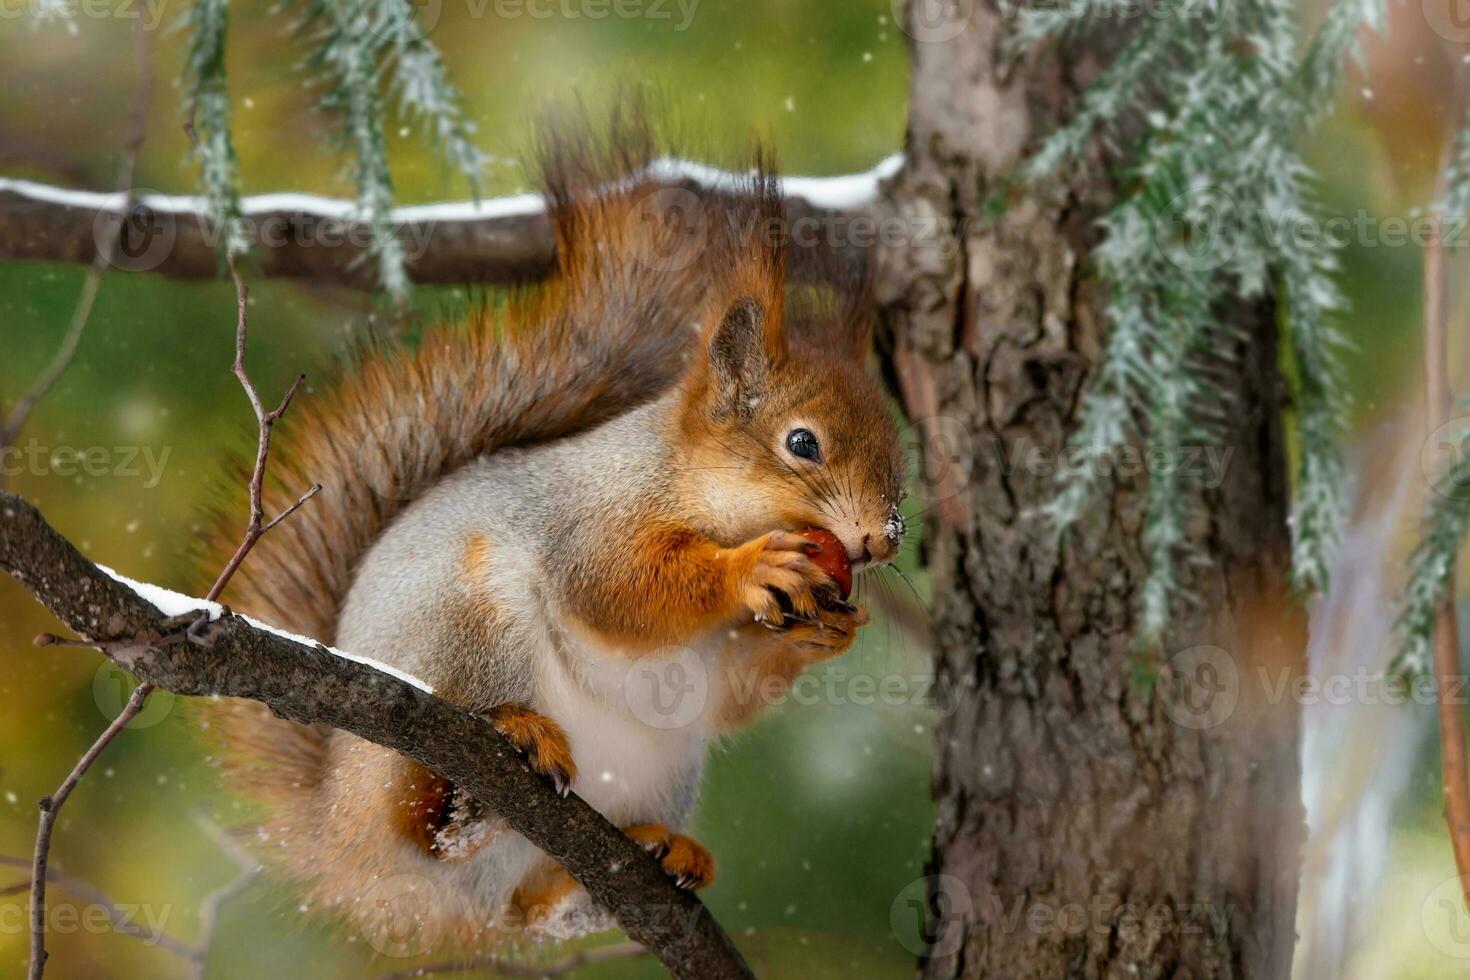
[(885, 548)]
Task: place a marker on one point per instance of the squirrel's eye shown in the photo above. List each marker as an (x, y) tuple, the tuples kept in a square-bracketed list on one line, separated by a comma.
[(801, 442)]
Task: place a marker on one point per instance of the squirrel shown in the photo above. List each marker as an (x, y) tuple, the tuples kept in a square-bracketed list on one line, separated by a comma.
[(604, 470)]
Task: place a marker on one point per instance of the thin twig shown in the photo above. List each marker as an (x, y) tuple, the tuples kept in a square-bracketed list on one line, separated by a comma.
[(1456, 775), (50, 807), (254, 530), (82, 312), (257, 525), (209, 909), (510, 968)]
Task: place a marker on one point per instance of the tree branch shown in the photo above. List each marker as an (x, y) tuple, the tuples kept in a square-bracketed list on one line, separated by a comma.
[(311, 684), (301, 236)]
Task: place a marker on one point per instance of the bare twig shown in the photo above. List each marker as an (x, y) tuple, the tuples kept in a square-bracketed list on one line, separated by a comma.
[(50, 807), (257, 525), (82, 312), (209, 909), (310, 684), (509, 968), (254, 530)]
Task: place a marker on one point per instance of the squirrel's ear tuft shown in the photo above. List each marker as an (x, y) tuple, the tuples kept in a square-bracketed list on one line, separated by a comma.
[(742, 350)]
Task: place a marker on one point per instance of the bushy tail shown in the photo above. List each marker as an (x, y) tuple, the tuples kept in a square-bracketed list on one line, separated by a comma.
[(611, 328)]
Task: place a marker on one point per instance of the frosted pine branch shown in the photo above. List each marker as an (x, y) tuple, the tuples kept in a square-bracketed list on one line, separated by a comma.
[(1209, 173)]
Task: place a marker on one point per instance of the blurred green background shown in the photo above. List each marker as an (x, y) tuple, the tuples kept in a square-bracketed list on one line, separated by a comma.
[(820, 815)]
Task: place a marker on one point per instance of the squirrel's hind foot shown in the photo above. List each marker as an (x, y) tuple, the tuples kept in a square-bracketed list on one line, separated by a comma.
[(684, 859), (539, 739)]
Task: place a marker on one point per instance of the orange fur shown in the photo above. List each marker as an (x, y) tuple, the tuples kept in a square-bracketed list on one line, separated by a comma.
[(610, 329), (759, 664), (423, 805), (541, 740), (683, 858)]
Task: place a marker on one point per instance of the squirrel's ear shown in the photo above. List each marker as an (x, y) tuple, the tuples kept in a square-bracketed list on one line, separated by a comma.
[(741, 351)]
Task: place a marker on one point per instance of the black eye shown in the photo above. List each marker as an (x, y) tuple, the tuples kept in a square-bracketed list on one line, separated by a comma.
[(801, 442)]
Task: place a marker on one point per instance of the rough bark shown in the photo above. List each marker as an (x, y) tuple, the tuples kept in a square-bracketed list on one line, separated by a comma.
[(1088, 824), (310, 685)]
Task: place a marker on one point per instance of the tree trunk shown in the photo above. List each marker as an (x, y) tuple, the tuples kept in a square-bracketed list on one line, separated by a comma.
[(1090, 822)]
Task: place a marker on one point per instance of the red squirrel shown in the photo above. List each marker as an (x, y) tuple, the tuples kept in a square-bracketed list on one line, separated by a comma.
[(608, 469)]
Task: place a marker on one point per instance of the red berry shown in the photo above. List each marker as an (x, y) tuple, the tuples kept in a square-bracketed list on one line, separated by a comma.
[(831, 557)]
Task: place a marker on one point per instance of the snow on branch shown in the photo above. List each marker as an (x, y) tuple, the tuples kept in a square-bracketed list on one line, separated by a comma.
[(310, 684), (324, 239)]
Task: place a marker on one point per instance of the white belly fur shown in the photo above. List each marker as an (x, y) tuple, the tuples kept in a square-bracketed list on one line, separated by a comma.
[(629, 770)]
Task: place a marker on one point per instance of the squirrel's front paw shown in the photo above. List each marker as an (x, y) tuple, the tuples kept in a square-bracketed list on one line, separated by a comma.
[(831, 633), (684, 859), (779, 564), (539, 739)]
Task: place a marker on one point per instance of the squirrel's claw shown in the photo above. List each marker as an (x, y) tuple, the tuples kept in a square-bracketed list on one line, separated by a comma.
[(539, 740), (683, 858), (782, 579)]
